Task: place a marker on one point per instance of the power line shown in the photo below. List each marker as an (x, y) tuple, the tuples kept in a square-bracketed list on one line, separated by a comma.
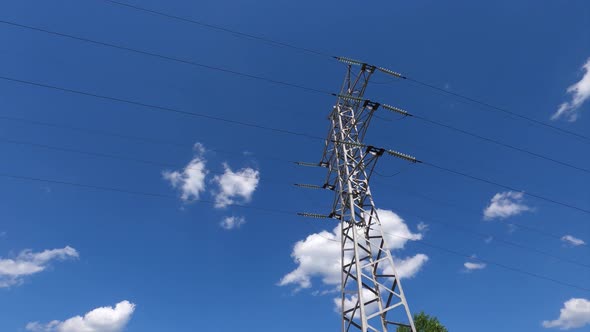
[(149, 140), (220, 28), (269, 210), (108, 156), (133, 192), (487, 261), (506, 242), (506, 145), (169, 58), (317, 52), (405, 114), (480, 179), (500, 109), (157, 163), (142, 139), (283, 131), (463, 209), (479, 234), (162, 108), (158, 195), (469, 176), (284, 83)]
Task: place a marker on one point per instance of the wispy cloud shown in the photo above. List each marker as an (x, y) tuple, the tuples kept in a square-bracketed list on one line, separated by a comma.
[(422, 227), (470, 266), (230, 223), (574, 241), (580, 92), (232, 186), (574, 314), (103, 319), (191, 180), (504, 205), (12, 271)]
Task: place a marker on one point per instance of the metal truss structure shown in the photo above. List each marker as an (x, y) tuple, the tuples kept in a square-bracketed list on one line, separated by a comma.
[(372, 294)]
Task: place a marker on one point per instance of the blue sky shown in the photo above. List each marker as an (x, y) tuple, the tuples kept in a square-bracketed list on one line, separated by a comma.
[(169, 257)]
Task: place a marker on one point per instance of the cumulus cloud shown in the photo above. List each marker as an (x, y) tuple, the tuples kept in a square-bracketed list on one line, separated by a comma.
[(504, 205), (350, 302), (191, 180), (103, 319), (574, 241), (12, 271), (580, 92), (239, 185), (409, 266), (232, 222), (318, 255), (470, 266), (574, 314)]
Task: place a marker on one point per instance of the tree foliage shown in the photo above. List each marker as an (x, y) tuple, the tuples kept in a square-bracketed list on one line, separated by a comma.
[(424, 323)]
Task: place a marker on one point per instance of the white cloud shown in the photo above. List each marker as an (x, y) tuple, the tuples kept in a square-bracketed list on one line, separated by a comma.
[(409, 266), (232, 222), (580, 92), (574, 241), (235, 185), (103, 319), (574, 314), (12, 271), (319, 255), (474, 266), (488, 239), (504, 205), (422, 227), (350, 302), (406, 268), (191, 180)]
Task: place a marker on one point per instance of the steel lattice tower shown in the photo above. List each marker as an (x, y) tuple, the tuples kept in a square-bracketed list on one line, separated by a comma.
[(372, 294)]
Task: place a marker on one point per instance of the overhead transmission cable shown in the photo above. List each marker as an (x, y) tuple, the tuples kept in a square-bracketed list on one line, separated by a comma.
[(464, 209), (221, 28), (238, 33), (490, 262), (343, 59), (501, 109), (453, 252), (287, 84), (142, 139), (483, 138), (268, 210), (165, 57), (413, 159), (113, 156), (162, 108), (500, 240), (267, 157), (459, 228), (390, 152), (143, 161), (132, 192), (110, 156)]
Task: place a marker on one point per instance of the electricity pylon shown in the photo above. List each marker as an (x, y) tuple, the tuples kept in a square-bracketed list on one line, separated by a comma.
[(371, 291)]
